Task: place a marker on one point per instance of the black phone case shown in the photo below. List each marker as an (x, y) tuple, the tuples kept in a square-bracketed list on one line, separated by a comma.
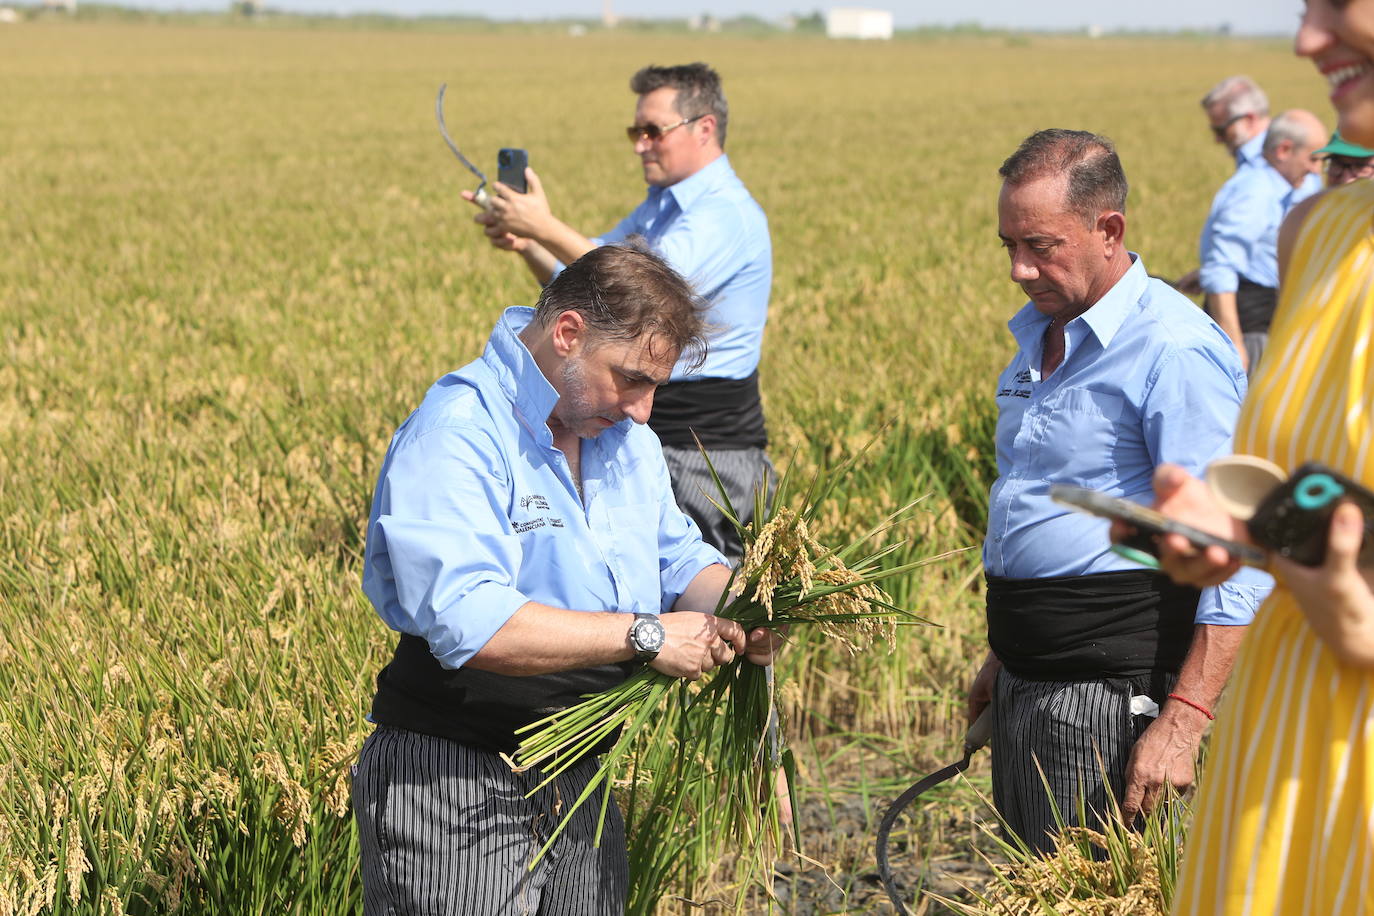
[(510, 168), (1295, 519)]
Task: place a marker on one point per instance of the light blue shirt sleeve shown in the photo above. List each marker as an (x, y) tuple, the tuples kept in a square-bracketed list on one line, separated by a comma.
[(445, 560), (1241, 234), (1229, 238), (630, 225), (1189, 417), (682, 554)]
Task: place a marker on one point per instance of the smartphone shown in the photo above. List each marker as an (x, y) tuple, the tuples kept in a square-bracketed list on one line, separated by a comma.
[(1294, 520), (510, 168), (1148, 524)]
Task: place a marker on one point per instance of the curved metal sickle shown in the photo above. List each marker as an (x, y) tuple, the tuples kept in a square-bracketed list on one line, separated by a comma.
[(978, 735), (443, 132)]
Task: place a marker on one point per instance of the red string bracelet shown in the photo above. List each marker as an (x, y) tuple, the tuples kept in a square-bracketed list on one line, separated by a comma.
[(1198, 706)]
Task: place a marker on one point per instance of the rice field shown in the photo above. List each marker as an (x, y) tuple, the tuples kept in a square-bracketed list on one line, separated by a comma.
[(234, 257)]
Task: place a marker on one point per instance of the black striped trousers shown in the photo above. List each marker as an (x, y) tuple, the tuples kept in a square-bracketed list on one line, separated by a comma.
[(446, 829), (1079, 732), (740, 470)]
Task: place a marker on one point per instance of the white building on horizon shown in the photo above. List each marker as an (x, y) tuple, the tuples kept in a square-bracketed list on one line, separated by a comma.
[(855, 22)]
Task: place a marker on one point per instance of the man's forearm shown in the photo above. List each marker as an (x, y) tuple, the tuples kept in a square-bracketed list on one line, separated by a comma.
[(1222, 308), (540, 263), (1207, 665), (562, 241), (704, 591), (540, 639)]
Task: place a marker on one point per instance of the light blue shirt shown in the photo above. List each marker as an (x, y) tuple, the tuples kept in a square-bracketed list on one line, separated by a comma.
[(714, 234), (1241, 235), (1251, 150), (1147, 378), (476, 513)]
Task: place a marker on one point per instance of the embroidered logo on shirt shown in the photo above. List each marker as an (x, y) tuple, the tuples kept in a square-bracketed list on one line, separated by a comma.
[(1022, 378), (534, 500), (535, 524)]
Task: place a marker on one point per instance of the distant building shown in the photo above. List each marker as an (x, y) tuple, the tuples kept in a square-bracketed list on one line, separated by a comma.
[(853, 22), (8, 15)]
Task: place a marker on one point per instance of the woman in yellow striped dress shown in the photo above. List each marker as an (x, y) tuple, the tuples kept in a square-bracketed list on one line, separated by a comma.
[(1284, 819)]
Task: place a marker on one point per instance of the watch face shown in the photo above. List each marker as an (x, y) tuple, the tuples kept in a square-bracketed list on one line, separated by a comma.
[(648, 634)]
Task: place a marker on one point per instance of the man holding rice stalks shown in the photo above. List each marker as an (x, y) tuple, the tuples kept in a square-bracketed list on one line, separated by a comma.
[(701, 219), (1098, 668), (523, 541)]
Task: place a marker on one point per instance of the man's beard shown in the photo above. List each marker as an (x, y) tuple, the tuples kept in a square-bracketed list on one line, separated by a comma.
[(575, 409)]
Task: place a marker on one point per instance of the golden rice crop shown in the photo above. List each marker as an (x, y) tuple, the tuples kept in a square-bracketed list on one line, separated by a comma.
[(234, 257)]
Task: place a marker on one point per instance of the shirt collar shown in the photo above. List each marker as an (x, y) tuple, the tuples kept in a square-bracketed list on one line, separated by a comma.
[(518, 374), (524, 382), (1103, 318), (1250, 150), (690, 189)]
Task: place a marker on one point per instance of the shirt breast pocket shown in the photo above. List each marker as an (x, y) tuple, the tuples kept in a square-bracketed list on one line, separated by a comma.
[(1084, 434), (633, 544)]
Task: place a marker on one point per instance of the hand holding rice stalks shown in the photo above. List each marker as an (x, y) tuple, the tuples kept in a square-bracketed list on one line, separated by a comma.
[(690, 749)]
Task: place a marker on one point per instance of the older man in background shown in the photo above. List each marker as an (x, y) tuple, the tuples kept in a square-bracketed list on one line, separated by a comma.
[(1239, 246), (700, 218), (1101, 670), (1238, 113)]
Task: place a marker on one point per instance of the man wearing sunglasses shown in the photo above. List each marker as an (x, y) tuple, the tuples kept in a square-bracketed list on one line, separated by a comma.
[(1345, 162), (700, 218), (1239, 246), (1238, 115)]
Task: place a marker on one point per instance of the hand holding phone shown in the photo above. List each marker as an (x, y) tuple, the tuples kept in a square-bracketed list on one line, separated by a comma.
[(1149, 524)]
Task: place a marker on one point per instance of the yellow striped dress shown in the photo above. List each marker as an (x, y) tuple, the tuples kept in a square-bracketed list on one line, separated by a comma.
[(1284, 820)]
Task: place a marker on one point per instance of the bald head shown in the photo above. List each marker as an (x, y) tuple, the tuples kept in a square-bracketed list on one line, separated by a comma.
[(1293, 137)]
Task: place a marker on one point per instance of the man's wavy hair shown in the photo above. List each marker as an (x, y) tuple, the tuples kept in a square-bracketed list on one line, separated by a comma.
[(698, 91), (626, 292), (1096, 181)]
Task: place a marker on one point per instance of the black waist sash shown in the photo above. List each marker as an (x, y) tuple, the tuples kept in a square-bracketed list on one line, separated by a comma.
[(477, 708), (725, 412), (1072, 628), (1255, 306)]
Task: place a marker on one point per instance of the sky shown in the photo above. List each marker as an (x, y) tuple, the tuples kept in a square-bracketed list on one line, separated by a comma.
[(1269, 17)]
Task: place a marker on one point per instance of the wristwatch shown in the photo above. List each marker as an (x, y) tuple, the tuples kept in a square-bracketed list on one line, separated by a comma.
[(646, 637)]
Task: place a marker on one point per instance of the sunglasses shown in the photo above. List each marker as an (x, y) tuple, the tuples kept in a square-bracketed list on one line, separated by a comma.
[(652, 132), (1219, 130)]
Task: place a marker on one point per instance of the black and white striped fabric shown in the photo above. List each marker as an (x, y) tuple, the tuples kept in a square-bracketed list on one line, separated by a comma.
[(445, 829), (1077, 731), (740, 470)]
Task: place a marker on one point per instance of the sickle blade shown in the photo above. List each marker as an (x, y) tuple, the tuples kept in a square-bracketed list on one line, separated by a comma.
[(443, 132)]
